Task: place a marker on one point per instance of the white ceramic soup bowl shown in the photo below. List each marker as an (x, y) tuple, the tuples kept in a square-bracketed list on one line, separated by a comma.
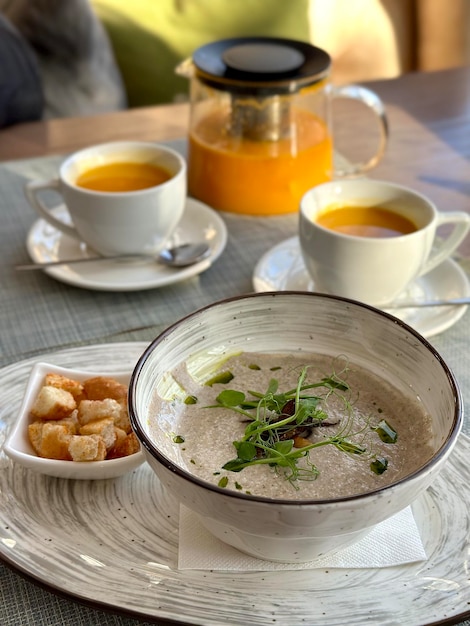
[(295, 530)]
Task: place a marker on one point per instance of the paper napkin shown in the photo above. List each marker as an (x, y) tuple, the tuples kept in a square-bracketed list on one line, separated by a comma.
[(394, 542)]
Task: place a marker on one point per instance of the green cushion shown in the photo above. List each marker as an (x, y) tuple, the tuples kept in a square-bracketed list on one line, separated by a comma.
[(150, 37)]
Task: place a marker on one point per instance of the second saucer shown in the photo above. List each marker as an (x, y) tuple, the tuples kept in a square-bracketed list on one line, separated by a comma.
[(282, 268)]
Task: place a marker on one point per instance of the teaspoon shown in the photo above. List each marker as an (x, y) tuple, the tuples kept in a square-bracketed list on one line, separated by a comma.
[(420, 303), (179, 256)]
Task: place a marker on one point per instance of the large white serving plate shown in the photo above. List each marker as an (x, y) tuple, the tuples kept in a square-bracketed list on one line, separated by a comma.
[(114, 543)]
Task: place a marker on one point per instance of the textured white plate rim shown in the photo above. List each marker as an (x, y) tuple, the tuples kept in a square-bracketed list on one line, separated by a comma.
[(45, 243), (247, 598), (281, 268)]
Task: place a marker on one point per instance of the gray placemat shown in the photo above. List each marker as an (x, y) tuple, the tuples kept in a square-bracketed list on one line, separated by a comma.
[(54, 314)]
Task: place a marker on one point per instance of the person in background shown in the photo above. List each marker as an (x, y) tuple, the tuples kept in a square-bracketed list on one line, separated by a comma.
[(21, 97), (55, 61)]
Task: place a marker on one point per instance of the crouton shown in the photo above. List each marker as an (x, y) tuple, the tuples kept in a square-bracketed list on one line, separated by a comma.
[(120, 436), (122, 421), (129, 445), (85, 448), (119, 440), (72, 426), (70, 422), (51, 440), (74, 387), (90, 410), (102, 387), (53, 403), (104, 427), (35, 435)]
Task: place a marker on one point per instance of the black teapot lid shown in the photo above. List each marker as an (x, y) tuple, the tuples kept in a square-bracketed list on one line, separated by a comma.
[(266, 62)]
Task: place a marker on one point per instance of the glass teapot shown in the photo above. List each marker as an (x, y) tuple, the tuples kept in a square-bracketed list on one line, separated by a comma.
[(260, 124)]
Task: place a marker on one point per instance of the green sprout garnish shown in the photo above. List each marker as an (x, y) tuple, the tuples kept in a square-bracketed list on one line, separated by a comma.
[(379, 465), (219, 379), (274, 421), (386, 433)]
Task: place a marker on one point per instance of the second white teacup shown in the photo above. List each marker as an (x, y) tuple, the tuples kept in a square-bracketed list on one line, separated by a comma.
[(122, 197), (373, 259)]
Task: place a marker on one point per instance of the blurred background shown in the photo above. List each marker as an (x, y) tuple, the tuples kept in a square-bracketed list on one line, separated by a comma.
[(61, 58)]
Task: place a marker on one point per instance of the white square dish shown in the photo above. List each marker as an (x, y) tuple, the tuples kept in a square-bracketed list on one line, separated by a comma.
[(18, 447)]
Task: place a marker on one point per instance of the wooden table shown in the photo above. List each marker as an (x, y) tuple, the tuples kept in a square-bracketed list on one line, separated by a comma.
[(439, 100)]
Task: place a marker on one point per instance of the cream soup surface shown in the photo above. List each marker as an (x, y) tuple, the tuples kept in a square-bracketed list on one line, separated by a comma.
[(200, 436)]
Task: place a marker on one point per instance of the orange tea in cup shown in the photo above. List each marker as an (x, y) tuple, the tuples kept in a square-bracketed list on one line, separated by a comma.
[(127, 176), (365, 221)]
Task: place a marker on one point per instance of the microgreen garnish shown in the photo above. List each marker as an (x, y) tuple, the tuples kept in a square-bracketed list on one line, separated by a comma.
[(379, 465), (223, 482), (276, 419), (386, 432), (219, 379)]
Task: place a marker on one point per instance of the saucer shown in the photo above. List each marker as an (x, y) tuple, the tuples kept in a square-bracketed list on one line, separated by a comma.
[(199, 223), (282, 269)]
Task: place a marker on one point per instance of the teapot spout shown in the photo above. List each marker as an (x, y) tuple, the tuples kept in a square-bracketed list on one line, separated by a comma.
[(185, 68)]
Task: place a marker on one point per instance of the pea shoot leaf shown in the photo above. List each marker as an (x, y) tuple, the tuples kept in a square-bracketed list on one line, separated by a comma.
[(273, 416)]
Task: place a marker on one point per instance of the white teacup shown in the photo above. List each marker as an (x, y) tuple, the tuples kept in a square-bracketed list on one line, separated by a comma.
[(117, 222), (373, 269)]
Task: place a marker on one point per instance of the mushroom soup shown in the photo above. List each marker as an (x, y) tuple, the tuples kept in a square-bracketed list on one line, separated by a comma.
[(297, 426)]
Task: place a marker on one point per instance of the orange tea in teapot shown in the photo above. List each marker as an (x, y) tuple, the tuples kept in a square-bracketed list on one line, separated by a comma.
[(258, 177)]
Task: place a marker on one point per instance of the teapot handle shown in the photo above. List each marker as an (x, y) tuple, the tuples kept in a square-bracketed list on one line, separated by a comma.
[(372, 100)]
